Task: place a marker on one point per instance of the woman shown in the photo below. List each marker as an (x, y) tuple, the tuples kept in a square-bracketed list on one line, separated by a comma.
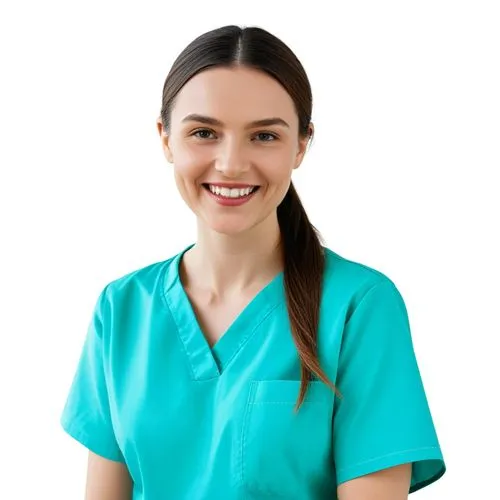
[(255, 363)]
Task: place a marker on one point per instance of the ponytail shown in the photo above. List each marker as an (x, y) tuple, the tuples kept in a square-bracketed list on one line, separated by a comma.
[(304, 263)]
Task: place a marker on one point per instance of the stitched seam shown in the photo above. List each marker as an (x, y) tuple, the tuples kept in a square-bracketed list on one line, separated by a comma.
[(369, 292), (289, 403), (249, 336), (388, 455), (246, 418), (172, 315), (78, 433)]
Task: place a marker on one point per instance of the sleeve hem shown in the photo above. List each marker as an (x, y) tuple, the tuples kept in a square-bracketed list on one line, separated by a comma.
[(92, 444), (431, 453)]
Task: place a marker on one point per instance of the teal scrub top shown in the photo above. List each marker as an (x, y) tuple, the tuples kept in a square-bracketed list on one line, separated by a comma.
[(194, 422)]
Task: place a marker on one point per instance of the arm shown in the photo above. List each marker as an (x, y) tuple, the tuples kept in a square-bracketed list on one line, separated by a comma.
[(87, 414), (383, 419), (107, 480), (388, 484)]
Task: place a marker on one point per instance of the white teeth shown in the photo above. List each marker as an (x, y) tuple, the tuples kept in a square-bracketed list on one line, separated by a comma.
[(231, 193)]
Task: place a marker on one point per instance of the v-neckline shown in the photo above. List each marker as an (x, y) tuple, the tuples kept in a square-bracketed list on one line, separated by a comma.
[(209, 362)]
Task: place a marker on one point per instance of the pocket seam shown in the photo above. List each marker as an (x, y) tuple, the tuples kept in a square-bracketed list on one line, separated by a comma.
[(246, 417), (265, 392), (284, 402)]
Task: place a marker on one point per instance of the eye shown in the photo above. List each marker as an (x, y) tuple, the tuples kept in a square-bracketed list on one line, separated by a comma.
[(202, 133), (267, 136)]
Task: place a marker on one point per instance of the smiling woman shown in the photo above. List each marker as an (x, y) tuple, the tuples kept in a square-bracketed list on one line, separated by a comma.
[(230, 126), (256, 362)]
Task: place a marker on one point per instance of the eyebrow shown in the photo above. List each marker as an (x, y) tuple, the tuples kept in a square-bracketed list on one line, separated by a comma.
[(265, 122)]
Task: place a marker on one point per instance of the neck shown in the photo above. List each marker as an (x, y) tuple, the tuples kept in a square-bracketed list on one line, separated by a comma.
[(222, 265)]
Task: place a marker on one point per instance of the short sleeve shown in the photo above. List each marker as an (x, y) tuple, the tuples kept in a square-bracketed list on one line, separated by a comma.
[(383, 418), (86, 414)]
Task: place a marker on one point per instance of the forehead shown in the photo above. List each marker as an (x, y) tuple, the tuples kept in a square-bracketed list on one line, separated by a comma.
[(234, 95)]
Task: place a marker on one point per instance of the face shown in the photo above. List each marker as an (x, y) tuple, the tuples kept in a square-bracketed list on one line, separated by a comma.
[(215, 139)]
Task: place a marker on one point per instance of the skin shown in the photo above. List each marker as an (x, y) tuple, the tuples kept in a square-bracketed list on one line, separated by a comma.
[(107, 480), (392, 483), (237, 248)]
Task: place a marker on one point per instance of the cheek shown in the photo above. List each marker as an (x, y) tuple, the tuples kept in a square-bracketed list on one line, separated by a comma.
[(277, 168), (190, 163)]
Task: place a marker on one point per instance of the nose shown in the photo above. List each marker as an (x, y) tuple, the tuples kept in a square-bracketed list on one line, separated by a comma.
[(232, 159)]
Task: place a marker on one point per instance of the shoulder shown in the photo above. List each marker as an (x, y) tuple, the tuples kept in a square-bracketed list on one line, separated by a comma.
[(137, 285), (347, 282), (143, 277)]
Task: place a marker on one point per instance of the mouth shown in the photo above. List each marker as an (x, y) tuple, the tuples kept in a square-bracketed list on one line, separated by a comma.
[(231, 197), (230, 192)]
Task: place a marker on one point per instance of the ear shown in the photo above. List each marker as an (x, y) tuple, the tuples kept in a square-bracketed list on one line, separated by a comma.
[(303, 142), (164, 141)]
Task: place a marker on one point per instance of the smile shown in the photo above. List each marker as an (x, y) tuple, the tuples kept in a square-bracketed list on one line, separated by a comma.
[(230, 193), (233, 197)]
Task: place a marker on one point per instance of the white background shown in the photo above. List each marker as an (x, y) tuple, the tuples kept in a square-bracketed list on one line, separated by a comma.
[(402, 176)]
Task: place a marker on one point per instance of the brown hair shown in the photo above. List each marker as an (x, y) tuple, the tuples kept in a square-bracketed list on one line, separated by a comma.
[(304, 259)]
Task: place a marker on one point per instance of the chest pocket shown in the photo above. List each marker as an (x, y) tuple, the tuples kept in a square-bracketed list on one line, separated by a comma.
[(285, 454)]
